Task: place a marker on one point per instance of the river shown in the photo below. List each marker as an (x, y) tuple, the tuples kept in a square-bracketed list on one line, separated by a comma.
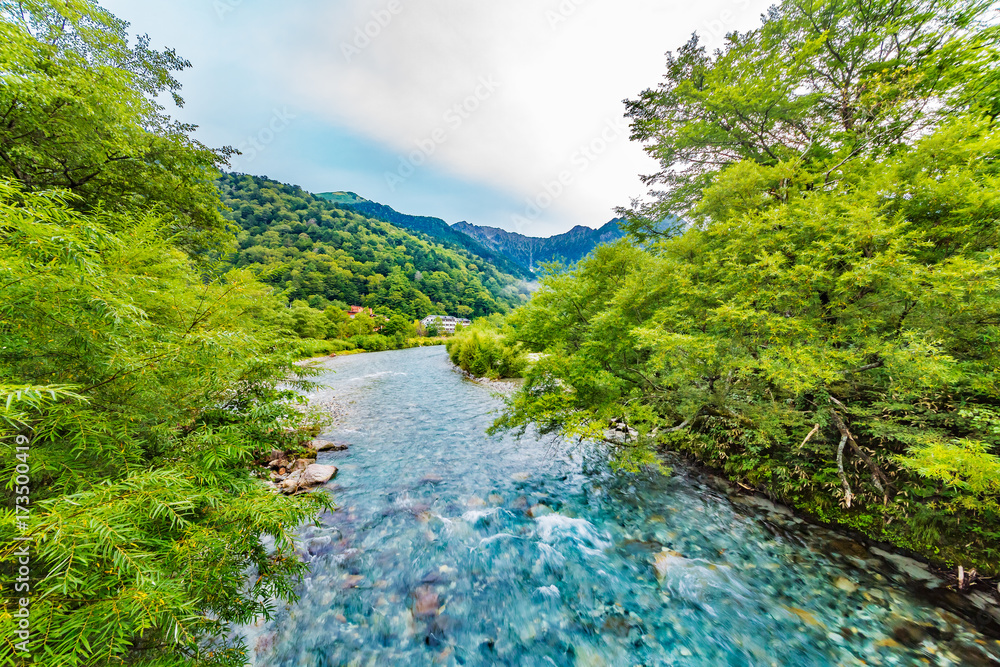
[(450, 547)]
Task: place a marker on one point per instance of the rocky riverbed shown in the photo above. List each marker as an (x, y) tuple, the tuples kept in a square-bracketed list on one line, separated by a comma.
[(453, 548)]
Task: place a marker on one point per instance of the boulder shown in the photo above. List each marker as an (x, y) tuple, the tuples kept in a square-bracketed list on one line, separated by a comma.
[(301, 464), (316, 474), (290, 484), (328, 446), (306, 476)]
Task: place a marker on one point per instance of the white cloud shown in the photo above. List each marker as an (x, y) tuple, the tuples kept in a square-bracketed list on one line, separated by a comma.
[(563, 67)]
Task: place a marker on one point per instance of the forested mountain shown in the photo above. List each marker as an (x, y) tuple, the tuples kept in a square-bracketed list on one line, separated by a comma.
[(328, 254), (435, 228), (530, 252)]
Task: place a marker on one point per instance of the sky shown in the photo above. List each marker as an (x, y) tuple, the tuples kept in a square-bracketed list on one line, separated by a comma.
[(508, 114)]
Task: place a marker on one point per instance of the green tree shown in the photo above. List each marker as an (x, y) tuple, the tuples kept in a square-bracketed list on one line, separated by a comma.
[(144, 393), (826, 331), (79, 112), (821, 83)]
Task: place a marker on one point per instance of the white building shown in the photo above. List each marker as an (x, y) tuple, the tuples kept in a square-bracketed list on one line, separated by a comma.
[(445, 323)]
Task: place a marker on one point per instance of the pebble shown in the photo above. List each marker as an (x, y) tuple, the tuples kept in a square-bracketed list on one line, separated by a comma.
[(845, 584)]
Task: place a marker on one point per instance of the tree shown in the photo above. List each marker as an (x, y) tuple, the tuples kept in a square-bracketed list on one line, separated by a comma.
[(144, 393), (820, 84), (79, 112), (825, 331)]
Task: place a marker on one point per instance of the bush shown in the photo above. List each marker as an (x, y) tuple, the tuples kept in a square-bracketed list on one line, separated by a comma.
[(484, 352), (310, 347)]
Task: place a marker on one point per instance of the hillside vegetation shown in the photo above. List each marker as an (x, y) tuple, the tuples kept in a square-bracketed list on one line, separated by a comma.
[(827, 327), (435, 230), (323, 258)]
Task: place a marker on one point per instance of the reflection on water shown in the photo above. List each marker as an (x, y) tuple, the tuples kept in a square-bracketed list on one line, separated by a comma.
[(453, 548)]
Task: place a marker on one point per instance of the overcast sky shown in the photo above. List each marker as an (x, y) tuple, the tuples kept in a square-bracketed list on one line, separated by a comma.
[(507, 113)]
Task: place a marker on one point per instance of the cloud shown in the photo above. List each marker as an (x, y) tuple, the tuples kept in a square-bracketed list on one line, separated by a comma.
[(408, 77), (563, 69)]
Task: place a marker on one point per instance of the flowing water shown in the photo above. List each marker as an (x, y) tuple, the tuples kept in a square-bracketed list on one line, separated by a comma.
[(450, 547)]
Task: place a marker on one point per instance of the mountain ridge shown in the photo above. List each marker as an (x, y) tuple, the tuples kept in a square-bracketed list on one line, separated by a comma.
[(435, 228), (511, 252), (532, 251)]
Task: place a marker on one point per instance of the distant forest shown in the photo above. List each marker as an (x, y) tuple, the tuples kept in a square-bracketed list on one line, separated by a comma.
[(327, 255)]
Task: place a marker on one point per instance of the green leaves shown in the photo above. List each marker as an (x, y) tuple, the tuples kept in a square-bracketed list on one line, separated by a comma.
[(80, 113), (145, 391), (877, 296), (820, 85), (483, 350)]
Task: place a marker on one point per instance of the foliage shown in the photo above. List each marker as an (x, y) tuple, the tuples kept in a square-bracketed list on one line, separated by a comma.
[(79, 111), (141, 386), (437, 231), (827, 331), (144, 399), (320, 253), (482, 350), (819, 84)]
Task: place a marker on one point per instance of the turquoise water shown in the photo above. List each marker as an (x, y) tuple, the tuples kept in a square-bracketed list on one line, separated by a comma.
[(454, 548)]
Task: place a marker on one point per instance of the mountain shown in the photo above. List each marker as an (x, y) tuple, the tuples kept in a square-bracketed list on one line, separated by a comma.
[(341, 197), (329, 254), (436, 228), (510, 252), (530, 252)]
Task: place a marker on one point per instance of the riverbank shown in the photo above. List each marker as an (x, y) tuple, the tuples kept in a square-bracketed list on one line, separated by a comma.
[(978, 602), (976, 599), (505, 387)]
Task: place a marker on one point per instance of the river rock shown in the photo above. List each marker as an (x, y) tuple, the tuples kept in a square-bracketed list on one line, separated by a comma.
[(909, 633), (279, 462), (907, 566), (312, 475), (845, 584), (641, 547), (316, 474), (425, 602), (300, 464), (290, 484), (539, 510), (317, 546), (328, 446), (663, 561)]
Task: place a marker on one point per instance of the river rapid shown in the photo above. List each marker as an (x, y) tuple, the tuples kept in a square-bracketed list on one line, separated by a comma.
[(450, 547)]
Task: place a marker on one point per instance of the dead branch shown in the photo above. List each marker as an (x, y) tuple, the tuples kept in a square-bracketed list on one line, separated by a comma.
[(840, 471), (872, 466), (809, 437)]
